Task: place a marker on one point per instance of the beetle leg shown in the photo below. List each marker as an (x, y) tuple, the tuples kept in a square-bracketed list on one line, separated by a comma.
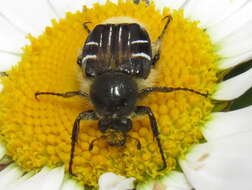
[(156, 57), (138, 1), (87, 115), (146, 91), (140, 110), (169, 19), (86, 27), (3, 74), (157, 44), (64, 95), (79, 60)]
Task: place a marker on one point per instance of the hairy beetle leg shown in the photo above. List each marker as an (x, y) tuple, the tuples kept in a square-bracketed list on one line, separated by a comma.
[(3, 74), (158, 42), (87, 115), (142, 110), (64, 95)]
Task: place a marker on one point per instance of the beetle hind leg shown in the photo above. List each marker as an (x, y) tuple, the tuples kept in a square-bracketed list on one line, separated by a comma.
[(138, 1), (157, 44), (86, 27), (169, 19), (3, 74)]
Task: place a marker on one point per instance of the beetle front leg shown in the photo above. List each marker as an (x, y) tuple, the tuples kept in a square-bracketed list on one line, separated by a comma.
[(87, 115), (140, 110)]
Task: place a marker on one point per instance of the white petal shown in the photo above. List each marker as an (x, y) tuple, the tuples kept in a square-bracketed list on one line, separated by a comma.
[(46, 179), (237, 43), (9, 175), (108, 180), (70, 184), (173, 4), (211, 11), (38, 178), (2, 150), (234, 87), (91, 3), (224, 124), (32, 16), (15, 185), (7, 60), (112, 181), (222, 164), (232, 23), (230, 62), (126, 184), (63, 6), (11, 38), (176, 181)]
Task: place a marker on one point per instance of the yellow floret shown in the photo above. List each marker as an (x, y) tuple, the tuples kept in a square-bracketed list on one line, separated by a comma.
[(38, 132)]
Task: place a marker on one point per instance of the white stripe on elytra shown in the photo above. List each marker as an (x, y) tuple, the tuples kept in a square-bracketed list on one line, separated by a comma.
[(109, 37), (88, 57), (139, 42), (143, 55), (120, 35), (100, 43), (91, 43), (129, 37)]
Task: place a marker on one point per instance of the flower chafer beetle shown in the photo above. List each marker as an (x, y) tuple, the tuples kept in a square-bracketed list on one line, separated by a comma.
[(116, 57)]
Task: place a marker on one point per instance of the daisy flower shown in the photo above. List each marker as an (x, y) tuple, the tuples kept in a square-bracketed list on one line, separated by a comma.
[(205, 148)]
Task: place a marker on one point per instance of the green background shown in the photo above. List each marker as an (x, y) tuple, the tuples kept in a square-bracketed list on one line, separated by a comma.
[(246, 99)]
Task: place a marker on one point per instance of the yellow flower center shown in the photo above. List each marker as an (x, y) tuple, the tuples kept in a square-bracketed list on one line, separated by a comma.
[(38, 132)]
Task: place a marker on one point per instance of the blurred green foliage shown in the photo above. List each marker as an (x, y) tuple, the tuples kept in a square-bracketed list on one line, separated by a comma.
[(245, 99)]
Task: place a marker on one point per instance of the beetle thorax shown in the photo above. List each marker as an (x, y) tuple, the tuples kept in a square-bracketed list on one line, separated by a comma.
[(114, 94)]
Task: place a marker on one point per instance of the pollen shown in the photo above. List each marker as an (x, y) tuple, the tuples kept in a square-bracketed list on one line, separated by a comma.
[(37, 132)]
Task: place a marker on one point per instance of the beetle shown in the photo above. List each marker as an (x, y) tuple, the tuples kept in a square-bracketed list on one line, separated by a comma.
[(116, 55)]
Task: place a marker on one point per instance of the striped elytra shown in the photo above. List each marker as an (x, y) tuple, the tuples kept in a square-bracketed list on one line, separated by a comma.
[(123, 47)]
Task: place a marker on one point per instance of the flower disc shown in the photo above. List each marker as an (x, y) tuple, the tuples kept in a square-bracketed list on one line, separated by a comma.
[(38, 132)]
